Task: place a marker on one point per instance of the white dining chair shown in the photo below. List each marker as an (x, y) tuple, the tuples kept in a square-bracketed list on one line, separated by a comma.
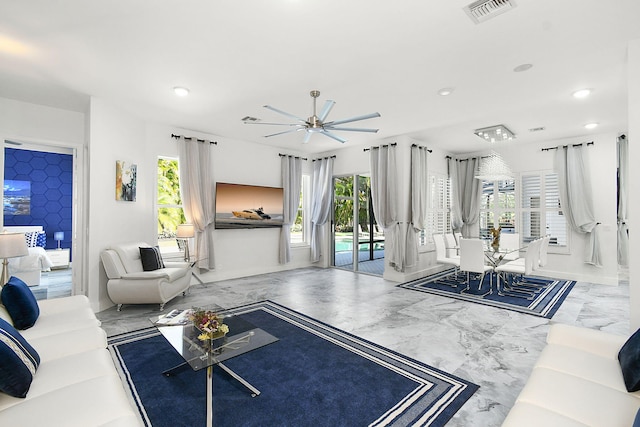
[(513, 268), (472, 260), (510, 242), (441, 252)]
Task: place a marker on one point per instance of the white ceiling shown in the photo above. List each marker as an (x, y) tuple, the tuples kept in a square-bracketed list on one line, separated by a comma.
[(367, 55)]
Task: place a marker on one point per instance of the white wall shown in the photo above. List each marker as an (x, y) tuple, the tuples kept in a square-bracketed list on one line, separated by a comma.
[(633, 73), (115, 135)]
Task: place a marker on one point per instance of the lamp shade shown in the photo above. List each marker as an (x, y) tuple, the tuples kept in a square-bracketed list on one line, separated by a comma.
[(186, 231), (13, 245), (58, 235)]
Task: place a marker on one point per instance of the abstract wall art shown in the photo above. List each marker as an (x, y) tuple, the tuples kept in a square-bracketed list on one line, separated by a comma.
[(125, 181)]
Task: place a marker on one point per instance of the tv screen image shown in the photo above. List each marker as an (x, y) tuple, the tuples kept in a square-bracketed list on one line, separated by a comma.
[(248, 206)]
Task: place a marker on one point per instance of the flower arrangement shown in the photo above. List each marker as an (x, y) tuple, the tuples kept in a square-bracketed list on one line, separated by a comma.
[(208, 323)]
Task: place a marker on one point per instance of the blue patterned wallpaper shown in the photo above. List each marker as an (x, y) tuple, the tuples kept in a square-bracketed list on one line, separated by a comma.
[(51, 177)]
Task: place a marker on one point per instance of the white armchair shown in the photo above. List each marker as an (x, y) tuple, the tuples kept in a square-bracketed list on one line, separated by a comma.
[(130, 284)]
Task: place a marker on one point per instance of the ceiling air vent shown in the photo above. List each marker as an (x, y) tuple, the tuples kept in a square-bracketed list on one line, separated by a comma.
[(483, 10)]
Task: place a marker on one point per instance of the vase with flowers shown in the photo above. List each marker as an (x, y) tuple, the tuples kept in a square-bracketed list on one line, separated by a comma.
[(209, 325)]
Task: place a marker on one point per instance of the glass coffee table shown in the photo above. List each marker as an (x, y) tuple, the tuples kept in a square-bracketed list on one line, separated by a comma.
[(242, 338)]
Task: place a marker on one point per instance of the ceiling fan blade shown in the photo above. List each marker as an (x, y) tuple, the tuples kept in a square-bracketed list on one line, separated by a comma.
[(353, 119), (282, 133), (275, 124), (307, 137), (284, 113), (328, 105), (331, 135), (352, 129)]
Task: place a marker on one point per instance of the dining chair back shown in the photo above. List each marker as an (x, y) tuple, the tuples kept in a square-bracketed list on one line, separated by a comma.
[(544, 247), (472, 258), (510, 242)]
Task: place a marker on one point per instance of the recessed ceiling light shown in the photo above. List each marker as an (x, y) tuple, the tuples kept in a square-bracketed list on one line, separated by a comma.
[(591, 126), (522, 67), (445, 91), (582, 93), (181, 91)]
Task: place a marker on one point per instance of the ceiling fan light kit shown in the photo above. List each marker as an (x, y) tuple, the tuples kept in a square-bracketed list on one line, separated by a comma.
[(316, 123)]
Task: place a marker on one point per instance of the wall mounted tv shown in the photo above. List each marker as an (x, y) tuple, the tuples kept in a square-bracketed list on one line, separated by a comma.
[(248, 206)]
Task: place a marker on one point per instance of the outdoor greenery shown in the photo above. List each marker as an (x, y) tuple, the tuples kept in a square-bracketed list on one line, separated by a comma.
[(344, 199), (170, 213)]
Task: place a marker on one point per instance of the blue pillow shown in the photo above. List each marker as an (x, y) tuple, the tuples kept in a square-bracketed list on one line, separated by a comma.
[(20, 303), (18, 361), (636, 421), (629, 358), (42, 239)]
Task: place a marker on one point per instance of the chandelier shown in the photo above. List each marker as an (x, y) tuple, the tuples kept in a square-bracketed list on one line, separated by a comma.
[(494, 168), (495, 133)]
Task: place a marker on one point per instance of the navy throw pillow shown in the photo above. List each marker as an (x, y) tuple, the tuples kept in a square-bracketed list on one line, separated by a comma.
[(151, 259), (18, 361), (20, 303), (629, 358)]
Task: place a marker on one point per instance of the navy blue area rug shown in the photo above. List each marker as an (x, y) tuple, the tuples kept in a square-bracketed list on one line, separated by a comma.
[(544, 302), (315, 375)]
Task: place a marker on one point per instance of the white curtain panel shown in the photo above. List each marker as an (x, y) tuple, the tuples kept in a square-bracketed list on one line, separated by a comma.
[(623, 197), (419, 201), (456, 198), (320, 203), (576, 197), (291, 182), (466, 193), (196, 189), (384, 198)]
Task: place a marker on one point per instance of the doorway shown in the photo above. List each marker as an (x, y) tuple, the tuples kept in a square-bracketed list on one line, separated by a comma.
[(358, 241), (39, 200)]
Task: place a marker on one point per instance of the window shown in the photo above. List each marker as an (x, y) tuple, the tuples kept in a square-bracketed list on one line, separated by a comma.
[(301, 226), (497, 207), (540, 209), (169, 203), (438, 208)]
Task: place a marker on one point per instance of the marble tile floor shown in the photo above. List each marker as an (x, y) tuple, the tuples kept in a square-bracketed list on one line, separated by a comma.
[(53, 284), (493, 348)]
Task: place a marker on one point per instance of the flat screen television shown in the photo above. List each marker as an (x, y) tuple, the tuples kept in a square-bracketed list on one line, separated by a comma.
[(248, 206)]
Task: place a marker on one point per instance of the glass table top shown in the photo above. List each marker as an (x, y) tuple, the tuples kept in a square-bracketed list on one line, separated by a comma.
[(242, 338)]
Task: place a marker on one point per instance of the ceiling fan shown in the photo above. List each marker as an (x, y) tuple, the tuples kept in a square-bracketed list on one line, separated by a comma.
[(316, 123)]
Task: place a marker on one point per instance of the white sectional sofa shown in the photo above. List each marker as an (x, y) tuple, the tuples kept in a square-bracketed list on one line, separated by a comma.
[(76, 383), (576, 381)]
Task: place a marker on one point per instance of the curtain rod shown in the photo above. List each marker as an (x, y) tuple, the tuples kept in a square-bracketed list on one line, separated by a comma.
[(385, 145), (565, 146), (330, 157), (189, 138), (425, 148), (295, 157)]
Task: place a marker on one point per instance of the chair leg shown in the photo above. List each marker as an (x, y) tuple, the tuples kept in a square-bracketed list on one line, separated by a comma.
[(162, 306)]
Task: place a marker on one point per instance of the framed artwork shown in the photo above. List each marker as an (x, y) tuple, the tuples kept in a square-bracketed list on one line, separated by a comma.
[(125, 181), (17, 197)]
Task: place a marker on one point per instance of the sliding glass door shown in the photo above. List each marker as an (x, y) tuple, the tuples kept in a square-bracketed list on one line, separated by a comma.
[(358, 242)]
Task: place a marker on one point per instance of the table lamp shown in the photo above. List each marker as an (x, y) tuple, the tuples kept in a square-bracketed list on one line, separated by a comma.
[(58, 236), (185, 232), (11, 245)]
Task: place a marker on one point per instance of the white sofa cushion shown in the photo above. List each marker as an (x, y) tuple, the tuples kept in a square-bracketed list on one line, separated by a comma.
[(94, 402), (579, 399), (51, 347), (129, 254), (56, 374)]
